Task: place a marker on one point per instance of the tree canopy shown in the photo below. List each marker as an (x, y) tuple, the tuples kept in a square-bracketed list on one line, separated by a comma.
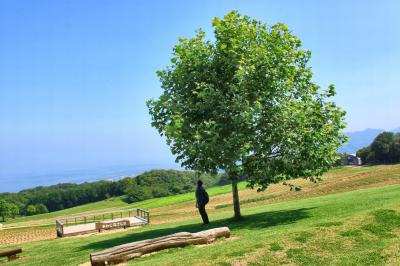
[(161, 183), (245, 103), (384, 149)]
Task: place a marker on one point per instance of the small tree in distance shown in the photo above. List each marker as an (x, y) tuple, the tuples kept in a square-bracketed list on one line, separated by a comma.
[(245, 104), (8, 209)]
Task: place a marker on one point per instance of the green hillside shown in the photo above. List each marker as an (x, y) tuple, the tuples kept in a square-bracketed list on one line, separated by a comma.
[(352, 218), (117, 203)]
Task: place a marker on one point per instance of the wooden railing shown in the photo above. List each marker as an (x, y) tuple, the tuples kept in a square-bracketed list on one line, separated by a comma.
[(59, 228), (143, 214)]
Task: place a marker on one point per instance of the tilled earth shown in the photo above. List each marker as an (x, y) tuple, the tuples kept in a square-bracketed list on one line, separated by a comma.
[(20, 235)]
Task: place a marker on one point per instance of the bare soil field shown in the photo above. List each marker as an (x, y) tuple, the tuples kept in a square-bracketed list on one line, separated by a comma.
[(21, 235)]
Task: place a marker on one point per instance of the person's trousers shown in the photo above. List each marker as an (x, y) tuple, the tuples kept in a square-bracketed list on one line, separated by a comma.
[(203, 213)]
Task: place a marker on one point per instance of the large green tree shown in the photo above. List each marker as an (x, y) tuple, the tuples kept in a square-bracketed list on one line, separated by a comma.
[(384, 149), (244, 102)]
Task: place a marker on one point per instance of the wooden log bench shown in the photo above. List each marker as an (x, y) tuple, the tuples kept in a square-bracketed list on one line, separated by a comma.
[(112, 225), (10, 254), (136, 249)]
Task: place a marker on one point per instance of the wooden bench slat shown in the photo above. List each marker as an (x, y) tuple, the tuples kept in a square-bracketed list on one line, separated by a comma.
[(112, 224), (10, 252)]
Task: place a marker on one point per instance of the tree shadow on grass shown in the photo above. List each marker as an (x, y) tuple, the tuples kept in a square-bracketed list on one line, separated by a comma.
[(253, 221)]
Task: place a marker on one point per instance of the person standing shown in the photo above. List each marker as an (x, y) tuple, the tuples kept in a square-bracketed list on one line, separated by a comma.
[(201, 201)]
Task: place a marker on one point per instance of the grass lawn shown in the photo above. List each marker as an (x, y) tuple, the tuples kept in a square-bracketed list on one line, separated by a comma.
[(345, 228)]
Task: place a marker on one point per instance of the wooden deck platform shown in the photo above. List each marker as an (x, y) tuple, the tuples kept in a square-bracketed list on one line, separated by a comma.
[(81, 229), (72, 226)]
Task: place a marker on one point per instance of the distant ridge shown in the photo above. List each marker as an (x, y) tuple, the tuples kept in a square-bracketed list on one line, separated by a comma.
[(361, 139)]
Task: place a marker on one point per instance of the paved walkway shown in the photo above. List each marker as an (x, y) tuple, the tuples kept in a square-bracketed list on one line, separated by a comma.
[(91, 227)]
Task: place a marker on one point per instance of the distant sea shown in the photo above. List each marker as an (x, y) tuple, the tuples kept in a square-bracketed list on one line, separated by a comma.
[(17, 182)]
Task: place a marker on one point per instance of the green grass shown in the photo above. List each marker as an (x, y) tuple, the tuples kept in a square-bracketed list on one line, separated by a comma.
[(244, 202), (275, 247), (308, 231), (302, 237), (329, 224)]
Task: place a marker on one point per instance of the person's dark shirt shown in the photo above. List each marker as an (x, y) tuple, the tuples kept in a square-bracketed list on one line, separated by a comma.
[(201, 196)]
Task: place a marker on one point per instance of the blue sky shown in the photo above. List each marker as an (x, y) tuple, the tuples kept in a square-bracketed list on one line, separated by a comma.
[(75, 74)]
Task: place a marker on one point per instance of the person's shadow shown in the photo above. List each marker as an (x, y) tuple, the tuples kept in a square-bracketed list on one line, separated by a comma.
[(253, 221)]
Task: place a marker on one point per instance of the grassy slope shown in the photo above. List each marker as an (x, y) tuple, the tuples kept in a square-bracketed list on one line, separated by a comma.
[(355, 227), (379, 173), (117, 203)]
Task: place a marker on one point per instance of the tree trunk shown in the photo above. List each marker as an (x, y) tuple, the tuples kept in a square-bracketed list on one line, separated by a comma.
[(235, 193), (137, 249)]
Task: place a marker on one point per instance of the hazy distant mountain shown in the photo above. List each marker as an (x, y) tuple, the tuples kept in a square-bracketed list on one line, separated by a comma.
[(361, 139)]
